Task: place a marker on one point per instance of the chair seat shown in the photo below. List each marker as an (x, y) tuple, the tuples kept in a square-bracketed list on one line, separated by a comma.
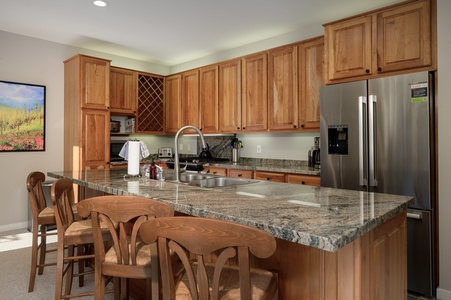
[(142, 255), (47, 216), (83, 228), (261, 282)]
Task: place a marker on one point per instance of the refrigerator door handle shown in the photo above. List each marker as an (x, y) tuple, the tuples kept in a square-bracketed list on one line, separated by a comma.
[(362, 113), (372, 140), (416, 216)]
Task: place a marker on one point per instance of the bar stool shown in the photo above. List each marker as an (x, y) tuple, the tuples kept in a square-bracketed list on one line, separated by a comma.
[(129, 257), (72, 235), (195, 240), (43, 217)]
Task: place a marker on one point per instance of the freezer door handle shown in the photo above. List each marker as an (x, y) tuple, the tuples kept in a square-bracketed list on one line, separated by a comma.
[(362, 113), (372, 140), (416, 216)]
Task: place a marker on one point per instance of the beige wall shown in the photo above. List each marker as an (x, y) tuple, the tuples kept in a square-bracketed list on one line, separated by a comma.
[(444, 140)]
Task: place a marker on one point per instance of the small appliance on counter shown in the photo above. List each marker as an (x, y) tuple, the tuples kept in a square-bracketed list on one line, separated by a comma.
[(165, 152), (314, 157)]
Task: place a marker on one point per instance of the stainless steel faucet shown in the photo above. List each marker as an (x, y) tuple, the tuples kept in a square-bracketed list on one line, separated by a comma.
[(176, 148)]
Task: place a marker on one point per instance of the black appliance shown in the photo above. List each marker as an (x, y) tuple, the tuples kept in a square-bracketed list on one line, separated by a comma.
[(115, 149)]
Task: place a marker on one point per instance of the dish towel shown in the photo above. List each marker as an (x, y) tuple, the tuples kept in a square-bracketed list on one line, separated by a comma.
[(143, 153)]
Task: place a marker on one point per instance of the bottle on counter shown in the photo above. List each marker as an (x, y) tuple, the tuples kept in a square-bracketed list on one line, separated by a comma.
[(152, 170)]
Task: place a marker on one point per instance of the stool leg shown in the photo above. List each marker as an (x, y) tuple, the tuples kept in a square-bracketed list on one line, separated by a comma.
[(42, 249), (59, 271), (34, 257)]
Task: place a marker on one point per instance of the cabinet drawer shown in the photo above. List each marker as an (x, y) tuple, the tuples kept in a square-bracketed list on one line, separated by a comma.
[(304, 179), (241, 173), (216, 171), (270, 176)]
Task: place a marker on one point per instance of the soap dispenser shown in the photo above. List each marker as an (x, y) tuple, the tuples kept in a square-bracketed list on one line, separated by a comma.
[(152, 170)]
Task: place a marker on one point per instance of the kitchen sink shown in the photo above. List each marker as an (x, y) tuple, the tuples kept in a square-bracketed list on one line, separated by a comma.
[(207, 180)]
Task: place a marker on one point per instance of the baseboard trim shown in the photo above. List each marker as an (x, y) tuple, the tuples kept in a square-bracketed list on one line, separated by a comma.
[(443, 294), (15, 226)]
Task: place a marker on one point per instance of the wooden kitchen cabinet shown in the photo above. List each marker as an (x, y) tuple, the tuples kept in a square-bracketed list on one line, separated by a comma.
[(123, 91), (311, 78), (393, 39), (209, 99), (86, 114), (190, 99), (254, 108), (230, 96), (150, 117), (173, 107), (241, 173), (215, 170), (270, 176), (304, 179), (93, 75), (283, 89), (95, 151)]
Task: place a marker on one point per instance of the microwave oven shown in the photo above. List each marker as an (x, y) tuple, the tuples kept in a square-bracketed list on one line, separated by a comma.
[(115, 149)]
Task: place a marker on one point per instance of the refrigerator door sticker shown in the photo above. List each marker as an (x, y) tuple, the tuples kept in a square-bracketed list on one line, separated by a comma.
[(419, 92)]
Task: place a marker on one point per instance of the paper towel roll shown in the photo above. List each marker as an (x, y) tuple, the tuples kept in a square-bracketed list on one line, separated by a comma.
[(133, 157), (133, 187)]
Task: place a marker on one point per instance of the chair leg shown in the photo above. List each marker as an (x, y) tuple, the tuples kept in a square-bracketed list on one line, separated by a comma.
[(69, 270), (59, 271), (117, 288), (34, 257), (99, 285), (124, 289), (42, 248), (81, 265)]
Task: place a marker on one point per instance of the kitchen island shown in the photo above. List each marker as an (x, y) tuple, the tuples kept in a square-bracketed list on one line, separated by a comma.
[(331, 243)]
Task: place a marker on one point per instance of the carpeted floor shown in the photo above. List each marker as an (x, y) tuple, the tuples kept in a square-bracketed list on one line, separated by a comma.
[(15, 257)]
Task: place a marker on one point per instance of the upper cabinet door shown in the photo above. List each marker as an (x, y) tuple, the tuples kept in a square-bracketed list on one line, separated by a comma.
[(123, 95), (209, 103), (230, 96), (404, 37), (311, 78), (190, 99), (283, 89), (254, 106), (95, 75), (348, 52), (173, 103)]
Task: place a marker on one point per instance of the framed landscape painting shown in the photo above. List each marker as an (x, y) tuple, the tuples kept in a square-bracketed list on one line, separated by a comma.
[(22, 117)]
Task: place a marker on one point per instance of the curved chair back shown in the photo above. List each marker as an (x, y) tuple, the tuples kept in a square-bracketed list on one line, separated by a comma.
[(200, 238), (129, 257)]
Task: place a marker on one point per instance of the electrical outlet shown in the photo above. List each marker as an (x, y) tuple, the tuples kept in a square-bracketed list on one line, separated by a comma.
[(259, 148), (181, 147)]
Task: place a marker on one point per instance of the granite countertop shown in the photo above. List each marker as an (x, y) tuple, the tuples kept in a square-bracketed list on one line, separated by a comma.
[(323, 218)]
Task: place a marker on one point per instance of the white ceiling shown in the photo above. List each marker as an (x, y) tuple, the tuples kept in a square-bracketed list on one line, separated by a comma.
[(170, 32)]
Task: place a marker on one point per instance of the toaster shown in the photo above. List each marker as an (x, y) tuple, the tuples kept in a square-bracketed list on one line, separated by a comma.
[(165, 152)]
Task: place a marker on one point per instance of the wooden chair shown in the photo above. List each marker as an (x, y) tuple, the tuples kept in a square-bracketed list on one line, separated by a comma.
[(43, 217), (72, 234), (194, 240), (129, 257)]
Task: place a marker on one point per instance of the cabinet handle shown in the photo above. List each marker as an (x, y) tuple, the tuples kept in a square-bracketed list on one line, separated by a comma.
[(268, 178), (215, 172), (238, 128), (239, 175), (379, 69), (244, 127), (367, 71), (302, 182), (294, 126)]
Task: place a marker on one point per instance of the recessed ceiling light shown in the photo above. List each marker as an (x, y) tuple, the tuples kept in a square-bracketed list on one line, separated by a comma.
[(100, 3)]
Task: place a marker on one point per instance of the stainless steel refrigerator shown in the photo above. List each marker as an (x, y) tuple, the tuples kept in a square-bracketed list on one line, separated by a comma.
[(378, 136)]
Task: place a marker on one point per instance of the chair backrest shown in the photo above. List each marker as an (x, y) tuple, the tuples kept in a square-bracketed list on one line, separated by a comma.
[(35, 193), (123, 215), (62, 194), (199, 238)]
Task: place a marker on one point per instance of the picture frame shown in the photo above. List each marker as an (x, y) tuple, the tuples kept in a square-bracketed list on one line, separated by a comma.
[(22, 116)]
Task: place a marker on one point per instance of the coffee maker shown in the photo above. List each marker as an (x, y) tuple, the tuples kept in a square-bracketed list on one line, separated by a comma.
[(314, 155)]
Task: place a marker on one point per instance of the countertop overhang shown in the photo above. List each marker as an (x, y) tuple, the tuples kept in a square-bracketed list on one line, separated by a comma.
[(318, 217)]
